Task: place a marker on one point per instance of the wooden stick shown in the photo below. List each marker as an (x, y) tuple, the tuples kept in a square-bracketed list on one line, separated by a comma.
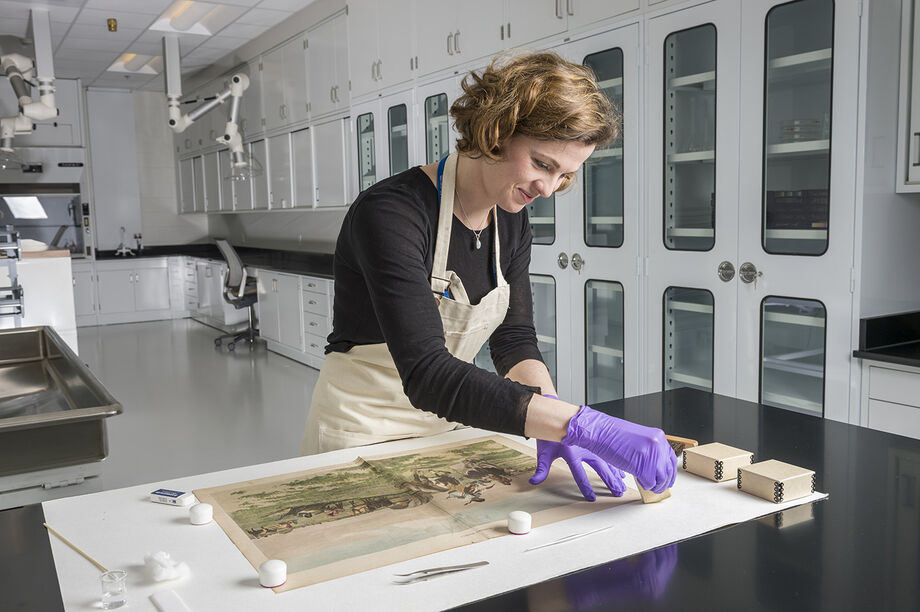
[(76, 548)]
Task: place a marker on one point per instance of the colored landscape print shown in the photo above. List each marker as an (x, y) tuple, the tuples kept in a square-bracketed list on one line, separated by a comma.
[(339, 520)]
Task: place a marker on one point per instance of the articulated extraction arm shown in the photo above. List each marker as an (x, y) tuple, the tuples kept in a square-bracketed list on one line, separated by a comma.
[(20, 70), (241, 167)]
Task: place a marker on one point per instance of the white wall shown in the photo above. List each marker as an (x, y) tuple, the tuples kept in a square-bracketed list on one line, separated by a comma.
[(112, 150), (889, 276), (156, 172)]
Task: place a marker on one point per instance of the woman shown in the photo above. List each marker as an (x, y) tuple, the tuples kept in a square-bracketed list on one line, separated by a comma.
[(433, 262)]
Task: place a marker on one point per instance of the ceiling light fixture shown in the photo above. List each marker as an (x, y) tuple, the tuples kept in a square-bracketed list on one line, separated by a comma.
[(136, 63), (189, 14)]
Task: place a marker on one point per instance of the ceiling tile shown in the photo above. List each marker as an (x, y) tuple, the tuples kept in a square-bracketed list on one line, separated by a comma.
[(149, 7), (265, 17), (242, 30), (86, 55), (92, 44), (125, 19), (285, 5), (14, 10), (208, 55), (240, 2), (146, 48), (100, 32), (187, 42)]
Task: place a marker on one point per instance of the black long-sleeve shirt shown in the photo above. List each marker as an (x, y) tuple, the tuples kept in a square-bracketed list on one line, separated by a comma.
[(382, 266)]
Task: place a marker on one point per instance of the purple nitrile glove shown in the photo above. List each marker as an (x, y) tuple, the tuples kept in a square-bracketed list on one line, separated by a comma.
[(642, 451), (548, 451)]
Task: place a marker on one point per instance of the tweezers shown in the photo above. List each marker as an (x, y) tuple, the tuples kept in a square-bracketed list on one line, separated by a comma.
[(569, 538), (434, 572)]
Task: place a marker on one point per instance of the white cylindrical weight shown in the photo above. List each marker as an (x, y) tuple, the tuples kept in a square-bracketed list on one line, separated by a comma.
[(273, 573), (519, 522), (200, 514)]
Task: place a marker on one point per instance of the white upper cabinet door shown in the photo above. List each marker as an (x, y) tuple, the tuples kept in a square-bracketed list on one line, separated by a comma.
[(692, 208), (798, 147), (586, 12), (530, 20), (251, 113), (342, 97), (434, 29), (397, 151), (330, 174), (367, 128), (363, 27), (396, 48), (259, 151), (321, 46), (242, 190), (198, 183), (302, 168), (211, 182), (273, 77), (267, 289), (186, 186), (478, 30), (279, 157), (295, 81), (226, 185)]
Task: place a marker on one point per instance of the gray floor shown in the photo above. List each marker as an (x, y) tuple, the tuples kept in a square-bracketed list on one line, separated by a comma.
[(190, 408)]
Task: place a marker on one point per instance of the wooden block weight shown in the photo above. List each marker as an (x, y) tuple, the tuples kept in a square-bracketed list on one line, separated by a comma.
[(678, 445), (776, 481)]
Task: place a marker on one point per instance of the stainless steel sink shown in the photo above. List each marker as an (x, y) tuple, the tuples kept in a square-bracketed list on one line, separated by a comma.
[(52, 408)]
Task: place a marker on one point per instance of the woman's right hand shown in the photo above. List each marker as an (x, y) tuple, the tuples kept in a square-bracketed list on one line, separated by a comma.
[(641, 451)]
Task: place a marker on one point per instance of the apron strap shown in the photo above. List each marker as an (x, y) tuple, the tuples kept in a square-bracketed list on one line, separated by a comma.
[(447, 179), (447, 175)]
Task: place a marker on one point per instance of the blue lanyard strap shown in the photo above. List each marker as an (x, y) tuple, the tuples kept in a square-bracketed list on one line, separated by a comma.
[(441, 174)]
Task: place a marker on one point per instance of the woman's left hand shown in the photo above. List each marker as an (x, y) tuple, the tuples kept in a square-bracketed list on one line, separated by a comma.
[(547, 452)]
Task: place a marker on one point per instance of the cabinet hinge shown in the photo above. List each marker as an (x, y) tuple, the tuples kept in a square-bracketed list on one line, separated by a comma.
[(305, 45)]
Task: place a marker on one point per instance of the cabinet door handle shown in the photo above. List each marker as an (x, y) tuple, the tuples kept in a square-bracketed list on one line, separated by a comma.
[(380, 69), (502, 30), (558, 9), (374, 71), (313, 323), (331, 99), (570, 7), (311, 284), (274, 285), (457, 42), (137, 278), (284, 111), (450, 50), (312, 302), (917, 156)]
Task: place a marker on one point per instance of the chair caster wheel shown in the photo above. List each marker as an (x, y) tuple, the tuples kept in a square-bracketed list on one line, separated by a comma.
[(231, 346), (218, 342)]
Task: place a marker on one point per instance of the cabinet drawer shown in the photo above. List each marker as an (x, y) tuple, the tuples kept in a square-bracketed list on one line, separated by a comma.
[(316, 285), (894, 418), (190, 288), (315, 345), (894, 386), (314, 323), (191, 303), (317, 303)]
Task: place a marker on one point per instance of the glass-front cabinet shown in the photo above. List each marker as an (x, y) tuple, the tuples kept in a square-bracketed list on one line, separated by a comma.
[(367, 154), (692, 164), (750, 227), (796, 204), (436, 136), (586, 244), (383, 138)]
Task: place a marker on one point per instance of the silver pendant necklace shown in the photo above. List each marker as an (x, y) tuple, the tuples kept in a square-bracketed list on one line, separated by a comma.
[(476, 233)]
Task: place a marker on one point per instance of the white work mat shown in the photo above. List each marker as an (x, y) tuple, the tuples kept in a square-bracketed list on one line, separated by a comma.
[(119, 527)]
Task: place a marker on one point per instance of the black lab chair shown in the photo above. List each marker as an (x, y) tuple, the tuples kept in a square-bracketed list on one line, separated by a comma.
[(240, 291)]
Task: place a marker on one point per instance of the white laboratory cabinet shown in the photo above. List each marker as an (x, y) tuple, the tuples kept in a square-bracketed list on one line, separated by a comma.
[(378, 55), (279, 165), (302, 193), (258, 150), (385, 138), (908, 161), (132, 290), (451, 33), (284, 85), (331, 182), (327, 47), (280, 311)]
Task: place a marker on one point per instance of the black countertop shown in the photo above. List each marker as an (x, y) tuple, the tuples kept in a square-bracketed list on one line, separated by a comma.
[(891, 338), (310, 263), (857, 550)]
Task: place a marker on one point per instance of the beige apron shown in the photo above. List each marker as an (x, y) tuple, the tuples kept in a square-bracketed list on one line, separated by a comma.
[(359, 396)]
